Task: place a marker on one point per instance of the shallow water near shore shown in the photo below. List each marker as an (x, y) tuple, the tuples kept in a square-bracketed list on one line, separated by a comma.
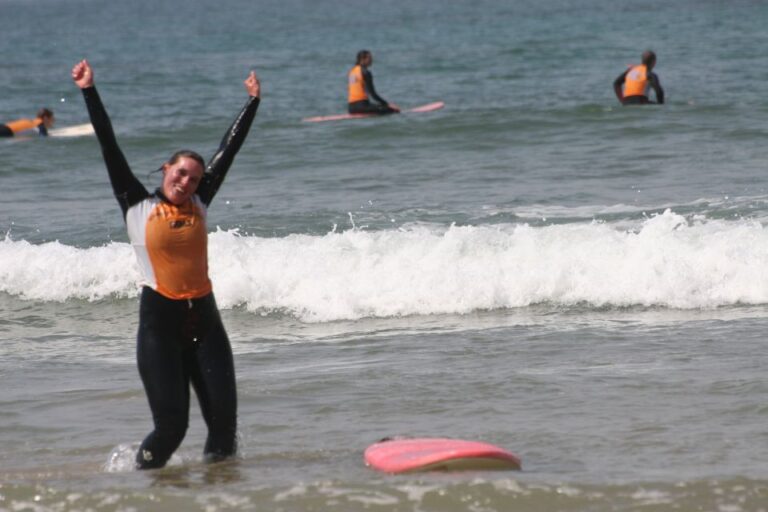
[(532, 266)]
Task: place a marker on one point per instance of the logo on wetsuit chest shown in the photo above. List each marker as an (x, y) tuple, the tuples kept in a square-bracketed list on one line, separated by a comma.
[(180, 223)]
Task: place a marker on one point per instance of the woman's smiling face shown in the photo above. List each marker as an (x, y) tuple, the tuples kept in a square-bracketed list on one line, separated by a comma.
[(180, 179)]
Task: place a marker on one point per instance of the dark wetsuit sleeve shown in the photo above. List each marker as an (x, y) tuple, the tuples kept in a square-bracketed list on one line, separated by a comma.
[(618, 83), (42, 130), (656, 85), (127, 188), (220, 162), (370, 89)]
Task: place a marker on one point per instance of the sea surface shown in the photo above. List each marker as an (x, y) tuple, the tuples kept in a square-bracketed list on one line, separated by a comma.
[(532, 266)]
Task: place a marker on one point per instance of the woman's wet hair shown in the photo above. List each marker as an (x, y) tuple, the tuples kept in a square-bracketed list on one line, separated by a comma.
[(648, 58), (362, 54), (44, 113), (184, 153)]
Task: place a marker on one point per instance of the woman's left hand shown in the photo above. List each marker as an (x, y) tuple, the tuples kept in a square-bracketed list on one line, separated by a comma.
[(252, 85), (82, 74)]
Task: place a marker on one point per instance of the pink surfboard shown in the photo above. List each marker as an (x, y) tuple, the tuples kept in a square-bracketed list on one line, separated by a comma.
[(429, 107), (425, 454)]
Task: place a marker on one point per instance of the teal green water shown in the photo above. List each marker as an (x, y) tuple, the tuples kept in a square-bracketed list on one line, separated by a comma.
[(533, 265)]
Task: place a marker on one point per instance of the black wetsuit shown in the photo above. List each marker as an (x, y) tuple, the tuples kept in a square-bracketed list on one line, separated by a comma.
[(653, 82), (366, 106), (5, 131), (179, 341), (182, 342)]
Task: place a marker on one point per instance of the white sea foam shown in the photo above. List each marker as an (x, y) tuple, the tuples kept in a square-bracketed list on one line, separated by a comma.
[(122, 458), (666, 260), (55, 272)]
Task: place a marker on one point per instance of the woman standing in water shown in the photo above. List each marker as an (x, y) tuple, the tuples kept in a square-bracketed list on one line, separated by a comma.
[(181, 338)]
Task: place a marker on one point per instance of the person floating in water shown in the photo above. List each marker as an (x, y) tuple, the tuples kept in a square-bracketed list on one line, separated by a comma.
[(181, 338), (42, 122), (637, 80), (361, 90)]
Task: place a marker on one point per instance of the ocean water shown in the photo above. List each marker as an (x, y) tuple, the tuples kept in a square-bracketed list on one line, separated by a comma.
[(533, 266)]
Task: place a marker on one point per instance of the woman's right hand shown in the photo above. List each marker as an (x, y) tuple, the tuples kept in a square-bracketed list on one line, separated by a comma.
[(252, 85), (82, 74)]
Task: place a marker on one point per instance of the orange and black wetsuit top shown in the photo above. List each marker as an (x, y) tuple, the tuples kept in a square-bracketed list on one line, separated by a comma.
[(637, 81), (361, 91), (171, 242), (21, 125), (360, 87), (356, 85)]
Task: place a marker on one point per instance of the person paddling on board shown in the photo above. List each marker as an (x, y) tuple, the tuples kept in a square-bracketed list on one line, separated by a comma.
[(42, 122), (637, 80), (181, 338), (361, 90)]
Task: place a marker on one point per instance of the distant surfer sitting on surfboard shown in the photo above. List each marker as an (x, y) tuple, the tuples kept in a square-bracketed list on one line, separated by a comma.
[(637, 80), (41, 123), (361, 90), (181, 338)]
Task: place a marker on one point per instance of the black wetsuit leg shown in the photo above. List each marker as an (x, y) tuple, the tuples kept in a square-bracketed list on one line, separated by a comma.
[(213, 378), (5, 131), (160, 353), (182, 342), (366, 107)]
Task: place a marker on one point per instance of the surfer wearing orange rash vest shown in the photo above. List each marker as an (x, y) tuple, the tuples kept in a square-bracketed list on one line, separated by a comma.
[(360, 90), (41, 123), (637, 80), (181, 339)]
